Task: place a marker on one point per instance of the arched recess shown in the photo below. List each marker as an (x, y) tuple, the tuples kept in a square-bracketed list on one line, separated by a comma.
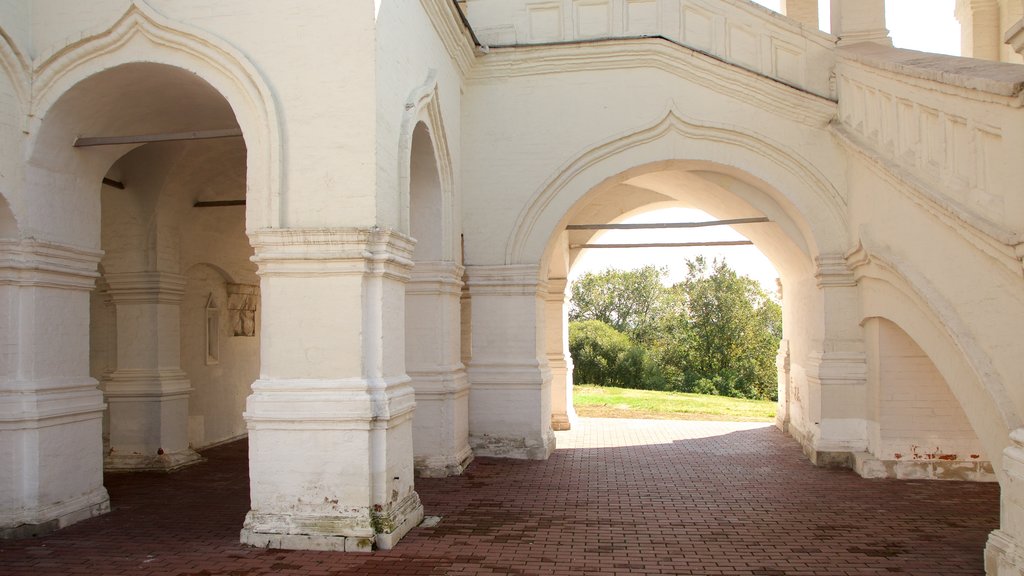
[(423, 120), (896, 293), (433, 327), (798, 188), (142, 35)]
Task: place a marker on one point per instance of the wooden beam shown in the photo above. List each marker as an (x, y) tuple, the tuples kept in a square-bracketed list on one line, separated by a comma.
[(665, 244), (662, 225), (83, 142), (218, 203), (113, 183)]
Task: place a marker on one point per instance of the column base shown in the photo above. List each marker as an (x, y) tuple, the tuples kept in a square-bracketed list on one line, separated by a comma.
[(61, 515), (523, 448), (358, 531), (1002, 556), (867, 466), (443, 466), (167, 462), (561, 422)]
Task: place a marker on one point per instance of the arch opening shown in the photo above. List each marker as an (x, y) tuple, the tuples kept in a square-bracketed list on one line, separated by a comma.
[(657, 187), (433, 321), (166, 257)]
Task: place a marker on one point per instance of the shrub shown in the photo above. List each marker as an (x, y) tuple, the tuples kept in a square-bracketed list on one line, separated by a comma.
[(606, 357)]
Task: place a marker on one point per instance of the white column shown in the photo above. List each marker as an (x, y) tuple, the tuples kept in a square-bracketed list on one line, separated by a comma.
[(563, 416), (1004, 553), (148, 392), (510, 384), (50, 409), (803, 11), (782, 365), (836, 369), (980, 34), (433, 361), (856, 21), (330, 419)]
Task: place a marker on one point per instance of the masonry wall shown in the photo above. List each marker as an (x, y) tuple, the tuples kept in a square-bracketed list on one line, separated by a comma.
[(919, 428), (936, 211)]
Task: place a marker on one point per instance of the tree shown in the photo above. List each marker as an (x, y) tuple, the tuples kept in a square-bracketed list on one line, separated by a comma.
[(732, 332), (606, 357), (630, 301)]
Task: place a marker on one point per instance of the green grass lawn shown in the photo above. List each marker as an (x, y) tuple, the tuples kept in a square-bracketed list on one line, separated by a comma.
[(607, 402)]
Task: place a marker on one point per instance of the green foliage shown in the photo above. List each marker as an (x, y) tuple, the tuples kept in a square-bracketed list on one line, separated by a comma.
[(714, 333), (732, 332), (607, 402), (602, 355), (630, 301)]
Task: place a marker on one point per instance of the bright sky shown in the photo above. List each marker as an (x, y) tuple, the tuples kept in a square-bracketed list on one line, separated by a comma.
[(927, 25)]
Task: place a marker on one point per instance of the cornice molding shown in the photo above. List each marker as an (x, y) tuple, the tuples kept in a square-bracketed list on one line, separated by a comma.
[(304, 252), (453, 34), (709, 72), (30, 262)]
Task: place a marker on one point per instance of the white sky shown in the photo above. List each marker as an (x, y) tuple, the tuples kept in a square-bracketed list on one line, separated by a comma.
[(927, 25)]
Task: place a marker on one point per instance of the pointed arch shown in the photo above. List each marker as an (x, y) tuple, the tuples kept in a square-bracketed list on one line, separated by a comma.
[(802, 187), (143, 35), (424, 107), (893, 290)]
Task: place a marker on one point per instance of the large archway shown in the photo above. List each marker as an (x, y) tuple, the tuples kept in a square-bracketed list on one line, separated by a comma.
[(684, 184), (119, 117)]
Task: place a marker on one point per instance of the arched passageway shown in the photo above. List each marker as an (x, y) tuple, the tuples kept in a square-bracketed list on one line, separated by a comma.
[(166, 199), (119, 155)]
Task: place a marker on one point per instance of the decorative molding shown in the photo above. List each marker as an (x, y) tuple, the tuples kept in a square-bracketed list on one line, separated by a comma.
[(435, 278), (457, 40), (674, 124), (145, 287), (18, 70), (243, 301), (302, 252), (832, 271), (1015, 37), (995, 82), (22, 408), (133, 384), (30, 262), (1002, 245), (341, 404), (424, 105), (732, 31), (690, 65), (511, 280), (837, 368), (214, 60)]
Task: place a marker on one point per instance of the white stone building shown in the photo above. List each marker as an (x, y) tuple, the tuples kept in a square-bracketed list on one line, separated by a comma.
[(391, 297)]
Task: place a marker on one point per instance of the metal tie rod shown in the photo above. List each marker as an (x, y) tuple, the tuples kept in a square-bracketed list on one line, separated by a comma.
[(661, 225), (84, 142), (666, 245)]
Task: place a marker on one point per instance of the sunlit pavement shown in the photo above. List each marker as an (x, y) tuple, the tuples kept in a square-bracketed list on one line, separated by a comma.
[(617, 497)]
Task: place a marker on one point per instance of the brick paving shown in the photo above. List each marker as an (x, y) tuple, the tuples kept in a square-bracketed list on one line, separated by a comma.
[(618, 497)]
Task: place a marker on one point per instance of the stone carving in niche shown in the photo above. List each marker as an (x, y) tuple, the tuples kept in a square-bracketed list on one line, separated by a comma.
[(242, 301)]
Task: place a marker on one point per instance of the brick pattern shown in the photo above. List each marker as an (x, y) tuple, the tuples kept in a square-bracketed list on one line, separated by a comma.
[(618, 497)]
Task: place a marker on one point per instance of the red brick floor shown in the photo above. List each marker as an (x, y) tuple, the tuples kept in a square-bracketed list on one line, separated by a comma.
[(618, 497)]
